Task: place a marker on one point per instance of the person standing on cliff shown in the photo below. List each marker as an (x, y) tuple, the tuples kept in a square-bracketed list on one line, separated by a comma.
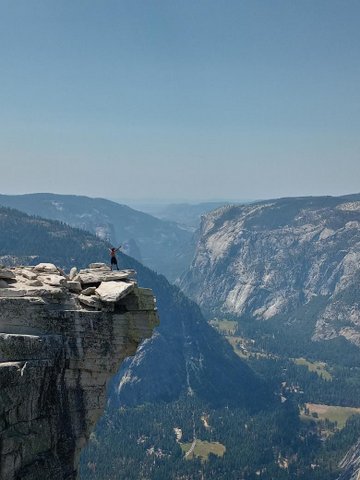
[(113, 258)]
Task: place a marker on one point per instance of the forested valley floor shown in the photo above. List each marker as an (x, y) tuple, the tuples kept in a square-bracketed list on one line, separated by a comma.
[(315, 420)]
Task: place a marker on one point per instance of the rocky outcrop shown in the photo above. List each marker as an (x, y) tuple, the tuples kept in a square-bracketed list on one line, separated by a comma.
[(268, 259), (351, 464), (60, 342)]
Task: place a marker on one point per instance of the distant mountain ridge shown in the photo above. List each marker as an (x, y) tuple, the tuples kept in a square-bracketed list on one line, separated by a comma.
[(271, 259), (186, 214), (26, 239), (161, 245)]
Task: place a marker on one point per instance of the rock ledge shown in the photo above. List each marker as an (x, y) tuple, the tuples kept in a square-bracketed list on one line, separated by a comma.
[(61, 339)]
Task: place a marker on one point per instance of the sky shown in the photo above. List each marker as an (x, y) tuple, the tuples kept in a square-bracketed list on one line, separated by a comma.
[(178, 100)]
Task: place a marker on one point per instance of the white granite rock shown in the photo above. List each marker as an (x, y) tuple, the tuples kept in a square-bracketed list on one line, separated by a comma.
[(113, 291), (46, 267), (73, 273), (90, 276)]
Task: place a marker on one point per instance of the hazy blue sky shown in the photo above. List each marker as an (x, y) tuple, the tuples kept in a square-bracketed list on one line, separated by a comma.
[(180, 99)]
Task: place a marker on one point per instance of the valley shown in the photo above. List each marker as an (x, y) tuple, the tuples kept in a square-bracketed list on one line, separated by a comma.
[(304, 435), (299, 377), (256, 395)]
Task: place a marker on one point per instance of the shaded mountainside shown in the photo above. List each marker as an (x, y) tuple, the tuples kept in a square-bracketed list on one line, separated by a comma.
[(185, 355), (186, 352), (160, 245), (275, 260), (30, 240)]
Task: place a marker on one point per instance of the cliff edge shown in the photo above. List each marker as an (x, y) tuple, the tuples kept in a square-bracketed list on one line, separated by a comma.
[(62, 338)]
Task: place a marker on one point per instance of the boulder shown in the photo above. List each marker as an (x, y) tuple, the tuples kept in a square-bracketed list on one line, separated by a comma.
[(89, 291), (6, 274), (74, 286), (46, 268), (114, 291), (73, 273), (90, 301)]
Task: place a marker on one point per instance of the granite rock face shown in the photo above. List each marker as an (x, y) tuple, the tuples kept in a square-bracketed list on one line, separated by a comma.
[(351, 464), (57, 354), (268, 259)]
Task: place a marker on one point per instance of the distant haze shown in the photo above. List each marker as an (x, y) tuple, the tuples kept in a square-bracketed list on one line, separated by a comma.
[(180, 100)]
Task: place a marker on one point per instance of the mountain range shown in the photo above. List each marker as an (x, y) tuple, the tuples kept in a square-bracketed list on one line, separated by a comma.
[(162, 245)]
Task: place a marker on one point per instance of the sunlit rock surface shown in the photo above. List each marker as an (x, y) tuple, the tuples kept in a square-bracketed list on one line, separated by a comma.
[(351, 464), (57, 353), (267, 259)]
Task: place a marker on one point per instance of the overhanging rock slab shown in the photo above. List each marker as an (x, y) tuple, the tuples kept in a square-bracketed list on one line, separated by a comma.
[(97, 275), (112, 291)]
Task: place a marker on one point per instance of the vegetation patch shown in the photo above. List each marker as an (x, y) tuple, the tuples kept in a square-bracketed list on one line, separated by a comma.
[(333, 413), (203, 449), (317, 367), (226, 327)]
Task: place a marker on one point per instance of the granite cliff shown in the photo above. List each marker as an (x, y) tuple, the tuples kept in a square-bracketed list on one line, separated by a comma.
[(351, 464), (271, 259), (288, 270), (62, 338)]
